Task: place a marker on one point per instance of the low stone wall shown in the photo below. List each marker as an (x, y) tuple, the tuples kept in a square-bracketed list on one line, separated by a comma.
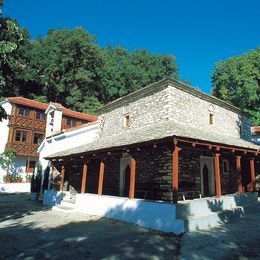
[(154, 215), (15, 187)]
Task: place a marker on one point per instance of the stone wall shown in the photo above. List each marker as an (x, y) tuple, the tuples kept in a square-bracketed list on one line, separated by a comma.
[(153, 171), (149, 110), (172, 103)]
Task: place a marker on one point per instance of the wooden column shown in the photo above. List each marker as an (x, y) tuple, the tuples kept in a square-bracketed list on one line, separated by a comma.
[(27, 168), (252, 171), (175, 173), (62, 176), (51, 177), (101, 178), (238, 170), (132, 179), (217, 175), (84, 178)]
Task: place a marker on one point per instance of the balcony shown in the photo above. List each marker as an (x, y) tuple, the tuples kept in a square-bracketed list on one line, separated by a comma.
[(23, 149), (29, 123)]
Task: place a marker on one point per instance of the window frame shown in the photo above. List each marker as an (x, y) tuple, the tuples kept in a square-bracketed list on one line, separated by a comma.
[(126, 121), (22, 132), (37, 133), (25, 112), (225, 161)]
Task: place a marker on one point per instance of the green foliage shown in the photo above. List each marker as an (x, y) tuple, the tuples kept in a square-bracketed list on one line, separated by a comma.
[(237, 81), (12, 62), (7, 160), (67, 66)]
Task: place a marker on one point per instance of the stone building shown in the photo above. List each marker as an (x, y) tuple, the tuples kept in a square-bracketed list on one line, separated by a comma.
[(165, 142)]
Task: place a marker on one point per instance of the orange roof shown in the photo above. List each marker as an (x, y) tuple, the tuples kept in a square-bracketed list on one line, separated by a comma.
[(28, 102), (43, 106)]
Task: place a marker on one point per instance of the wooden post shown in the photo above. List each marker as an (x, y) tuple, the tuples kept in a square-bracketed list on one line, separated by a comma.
[(51, 176), (84, 178), (217, 175), (27, 168), (239, 183), (252, 171), (175, 173), (101, 178), (62, 176), (132, 179)]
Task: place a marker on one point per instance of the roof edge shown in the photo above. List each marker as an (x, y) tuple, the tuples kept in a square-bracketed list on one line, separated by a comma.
[(164, 83)]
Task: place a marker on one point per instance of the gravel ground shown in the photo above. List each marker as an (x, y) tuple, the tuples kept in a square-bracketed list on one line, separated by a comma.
[(29, 230)]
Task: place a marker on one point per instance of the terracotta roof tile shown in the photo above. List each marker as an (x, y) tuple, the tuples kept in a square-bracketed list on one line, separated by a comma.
[(43, 106), (28, 102)]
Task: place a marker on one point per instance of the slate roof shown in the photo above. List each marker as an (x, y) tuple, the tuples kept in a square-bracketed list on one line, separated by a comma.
[(149, 133)]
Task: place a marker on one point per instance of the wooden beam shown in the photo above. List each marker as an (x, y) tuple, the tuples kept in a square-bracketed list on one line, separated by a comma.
[(218, 147), (84, 178), (175, 173), (62, 177), (27, 168), (217, 175), (132, 179), (251, 186), (101, 178), (238, 170)]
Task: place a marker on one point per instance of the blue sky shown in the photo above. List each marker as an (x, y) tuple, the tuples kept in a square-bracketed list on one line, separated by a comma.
[(198, 33)]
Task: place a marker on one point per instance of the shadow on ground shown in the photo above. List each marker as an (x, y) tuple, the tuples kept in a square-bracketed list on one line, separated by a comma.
[(29, 230), (239, 239)]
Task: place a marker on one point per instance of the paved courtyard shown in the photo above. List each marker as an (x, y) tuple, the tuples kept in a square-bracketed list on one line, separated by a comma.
[(30, 231)]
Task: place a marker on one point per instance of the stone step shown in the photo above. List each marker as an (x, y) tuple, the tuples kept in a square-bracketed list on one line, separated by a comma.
[(206, 206), (213, 219)]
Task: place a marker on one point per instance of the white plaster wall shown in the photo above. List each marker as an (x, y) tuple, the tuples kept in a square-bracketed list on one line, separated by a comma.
[(14, 187), (52, 198), (4, 129), (67, 140), (154, 215), (57, 120)]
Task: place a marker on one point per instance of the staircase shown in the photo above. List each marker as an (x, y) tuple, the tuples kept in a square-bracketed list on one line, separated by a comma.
[(199, 214), (67, 204)]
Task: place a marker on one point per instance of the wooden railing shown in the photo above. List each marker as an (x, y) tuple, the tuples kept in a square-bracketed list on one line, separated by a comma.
[(23, 149), (27, 123)]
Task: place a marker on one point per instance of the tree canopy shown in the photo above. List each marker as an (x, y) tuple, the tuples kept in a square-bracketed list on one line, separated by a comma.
[(69, 67), (237, 81)]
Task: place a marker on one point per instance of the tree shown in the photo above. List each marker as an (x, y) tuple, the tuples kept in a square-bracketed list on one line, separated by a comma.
[(3, 114), (7, 160), (237, 81), (12, 64), (124, 72), (68, 66)]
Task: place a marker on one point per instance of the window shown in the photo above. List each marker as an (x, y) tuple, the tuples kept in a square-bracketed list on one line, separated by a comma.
[(127, 121), (20, 136), (37, 138), (31, 167), (225, 166), (71, 122), (39, 115), (24, 112), (211, 119)]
